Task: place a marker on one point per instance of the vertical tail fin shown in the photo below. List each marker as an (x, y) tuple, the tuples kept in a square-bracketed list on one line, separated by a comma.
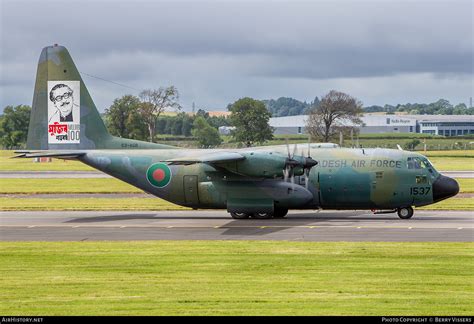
[(64, 116)]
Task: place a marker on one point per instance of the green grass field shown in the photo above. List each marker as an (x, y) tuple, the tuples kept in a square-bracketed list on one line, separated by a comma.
[(451, 204), (390, 140), (44, 186), (236, 278), (9, 203), (452, 163), (7, 163), (466, 185), (451, 160), (453, 153)]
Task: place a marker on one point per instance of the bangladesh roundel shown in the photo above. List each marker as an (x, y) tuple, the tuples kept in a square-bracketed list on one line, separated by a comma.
[(159, 175)]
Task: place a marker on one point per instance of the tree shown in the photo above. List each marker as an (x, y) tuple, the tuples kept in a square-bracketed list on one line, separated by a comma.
[(336, 112), (206, 135), (154, 102), (287, 106), (119, 116), (250, 118), (187, 124), (136, 127), (412, 144), (460, 109), (14, 126), (203, 113)]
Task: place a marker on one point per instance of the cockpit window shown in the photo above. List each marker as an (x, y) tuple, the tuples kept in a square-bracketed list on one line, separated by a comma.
[(413, 163), (419, 163), (427, 164)]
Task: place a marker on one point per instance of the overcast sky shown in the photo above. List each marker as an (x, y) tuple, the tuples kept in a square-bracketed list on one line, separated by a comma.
[(216, 52)]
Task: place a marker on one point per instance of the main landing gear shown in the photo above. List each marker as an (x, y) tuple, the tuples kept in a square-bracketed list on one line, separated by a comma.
[(278, 213)]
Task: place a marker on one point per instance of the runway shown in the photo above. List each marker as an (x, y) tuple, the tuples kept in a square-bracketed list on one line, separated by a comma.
[(453, 226)]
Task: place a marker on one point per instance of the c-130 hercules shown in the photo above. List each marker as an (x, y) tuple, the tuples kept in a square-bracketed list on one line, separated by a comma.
[(259, 182)]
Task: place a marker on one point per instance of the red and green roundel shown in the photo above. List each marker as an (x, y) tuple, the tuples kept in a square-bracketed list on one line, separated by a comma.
[(159, 175)]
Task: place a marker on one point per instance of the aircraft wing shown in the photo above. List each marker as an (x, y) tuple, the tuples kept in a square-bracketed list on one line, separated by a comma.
[(210, 158), (53, 154)]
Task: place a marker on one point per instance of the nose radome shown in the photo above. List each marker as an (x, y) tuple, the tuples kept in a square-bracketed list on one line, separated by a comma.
[(444, 187)]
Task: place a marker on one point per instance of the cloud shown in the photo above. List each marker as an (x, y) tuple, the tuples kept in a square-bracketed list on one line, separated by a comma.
[(215, 52)]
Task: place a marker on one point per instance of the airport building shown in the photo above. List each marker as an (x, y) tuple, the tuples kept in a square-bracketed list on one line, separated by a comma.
[(445, 125)]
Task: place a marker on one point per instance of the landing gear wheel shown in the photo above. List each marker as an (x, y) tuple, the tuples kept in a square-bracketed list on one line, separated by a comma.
[(405, 212), (280, 213), (240, 215), (262, 215)]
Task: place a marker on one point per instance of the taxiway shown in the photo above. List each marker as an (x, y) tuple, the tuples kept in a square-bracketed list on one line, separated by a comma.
[(453, 226)]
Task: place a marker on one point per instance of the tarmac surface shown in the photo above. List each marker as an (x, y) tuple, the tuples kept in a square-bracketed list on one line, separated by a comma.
[(453, 226), (98, 174)]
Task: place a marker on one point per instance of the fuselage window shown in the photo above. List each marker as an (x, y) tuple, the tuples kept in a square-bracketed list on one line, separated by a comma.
[(421, 179)]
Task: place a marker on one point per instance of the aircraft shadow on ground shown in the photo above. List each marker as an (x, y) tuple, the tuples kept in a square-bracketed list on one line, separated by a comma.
[(294, 217), (255, 227), (109, 218), (252, 227)]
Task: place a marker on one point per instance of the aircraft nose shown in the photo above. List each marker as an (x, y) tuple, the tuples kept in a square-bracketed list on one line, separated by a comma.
[(444, 187)]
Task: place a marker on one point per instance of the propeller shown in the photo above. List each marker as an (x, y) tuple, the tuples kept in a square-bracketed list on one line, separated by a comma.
[(292, 162), (309, 163)]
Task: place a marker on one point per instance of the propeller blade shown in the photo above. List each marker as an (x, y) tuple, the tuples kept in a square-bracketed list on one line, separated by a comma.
[(288, 148), (306, 178), (309, 146), (286, 173)]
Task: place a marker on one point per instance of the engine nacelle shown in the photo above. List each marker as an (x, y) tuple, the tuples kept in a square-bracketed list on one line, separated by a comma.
[(263, 165)]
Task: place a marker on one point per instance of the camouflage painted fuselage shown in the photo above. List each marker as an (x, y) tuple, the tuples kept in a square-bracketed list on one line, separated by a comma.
[(343, 179)]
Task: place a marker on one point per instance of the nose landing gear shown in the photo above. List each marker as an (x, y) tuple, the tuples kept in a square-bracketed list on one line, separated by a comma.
[(405, 212)]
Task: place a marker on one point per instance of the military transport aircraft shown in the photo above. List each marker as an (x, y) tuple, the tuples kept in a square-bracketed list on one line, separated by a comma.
[(257, 182)]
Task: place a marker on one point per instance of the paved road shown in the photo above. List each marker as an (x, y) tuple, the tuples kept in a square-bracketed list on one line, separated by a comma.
[(459, 174), (217, 225), (98, 174)]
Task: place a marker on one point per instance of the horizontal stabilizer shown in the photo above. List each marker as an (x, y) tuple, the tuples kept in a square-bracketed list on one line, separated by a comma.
[(212, 158), (53, 154)]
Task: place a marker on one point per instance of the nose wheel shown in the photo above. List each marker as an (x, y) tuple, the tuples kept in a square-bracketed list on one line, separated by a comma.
[(405, 212)]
